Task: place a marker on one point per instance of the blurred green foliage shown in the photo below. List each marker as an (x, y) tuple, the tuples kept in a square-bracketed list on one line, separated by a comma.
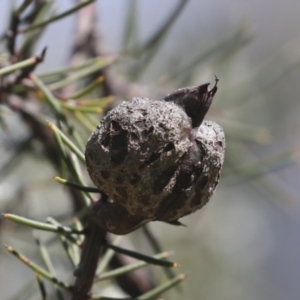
[(250, 106)]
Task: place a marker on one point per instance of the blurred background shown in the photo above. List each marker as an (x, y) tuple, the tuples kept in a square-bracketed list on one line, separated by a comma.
[(245, 243)]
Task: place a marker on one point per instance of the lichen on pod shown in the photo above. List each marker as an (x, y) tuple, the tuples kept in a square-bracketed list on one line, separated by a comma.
[(155, 159)]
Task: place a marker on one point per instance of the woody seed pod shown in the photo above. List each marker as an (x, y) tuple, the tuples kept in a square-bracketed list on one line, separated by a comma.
[(155, 159)]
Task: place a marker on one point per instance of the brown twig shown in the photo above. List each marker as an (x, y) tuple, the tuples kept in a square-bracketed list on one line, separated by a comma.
[(93, 246)]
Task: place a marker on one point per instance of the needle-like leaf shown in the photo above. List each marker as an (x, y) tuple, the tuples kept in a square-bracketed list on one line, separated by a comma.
[(40, 225), (39, 270)]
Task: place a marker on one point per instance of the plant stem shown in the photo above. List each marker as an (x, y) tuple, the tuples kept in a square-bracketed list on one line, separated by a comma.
[(92, 247)]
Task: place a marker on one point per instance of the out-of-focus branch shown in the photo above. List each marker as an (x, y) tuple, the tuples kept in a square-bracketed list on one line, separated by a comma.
[(88, 43), (136, 282)]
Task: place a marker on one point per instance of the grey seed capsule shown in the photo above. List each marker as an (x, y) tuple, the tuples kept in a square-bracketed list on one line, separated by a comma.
[(155, 159)]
